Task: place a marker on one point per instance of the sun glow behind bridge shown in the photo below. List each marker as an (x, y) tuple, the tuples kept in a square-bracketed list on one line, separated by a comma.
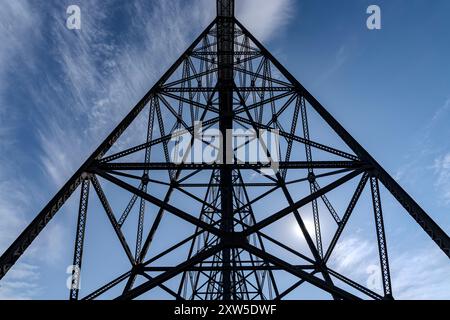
[(298, 231)]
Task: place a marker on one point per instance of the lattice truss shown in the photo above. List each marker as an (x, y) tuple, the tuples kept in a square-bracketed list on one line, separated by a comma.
[(167, 217)]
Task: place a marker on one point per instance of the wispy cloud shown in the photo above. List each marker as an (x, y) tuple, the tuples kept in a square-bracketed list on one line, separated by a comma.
[(426, 150), (16, 39), (340, 58), (19, 35), (442, 172), (20, 284), (104, 74), (438, 115), (265, 19), (424, 275), (13, 201), (353, 254), (415, 274)]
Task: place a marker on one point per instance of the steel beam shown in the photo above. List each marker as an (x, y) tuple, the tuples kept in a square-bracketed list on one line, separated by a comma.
[(79, 239), (381, 238), (225, 83), (138, 166)]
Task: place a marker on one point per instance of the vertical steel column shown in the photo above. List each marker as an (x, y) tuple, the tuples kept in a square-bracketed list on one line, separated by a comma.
[(79, 239), (225, 58), (145, 180), (381, 238), (311, 176)]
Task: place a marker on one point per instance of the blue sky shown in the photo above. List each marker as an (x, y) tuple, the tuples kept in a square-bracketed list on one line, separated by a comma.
[(62, 91)]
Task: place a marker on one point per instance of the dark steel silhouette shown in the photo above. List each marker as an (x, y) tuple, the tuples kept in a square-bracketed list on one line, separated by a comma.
[(226, 79)]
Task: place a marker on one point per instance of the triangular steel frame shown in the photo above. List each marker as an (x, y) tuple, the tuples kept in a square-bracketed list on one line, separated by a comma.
[(218, 84)]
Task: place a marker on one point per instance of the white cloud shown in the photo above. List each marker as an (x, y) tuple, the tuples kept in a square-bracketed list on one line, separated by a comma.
[(20, 284), (62, 150), (22, 281), (50, 246), (425, 275), (416, 274), (352, 254), (441, 112), (13, 201), (15, 37), (341, 57), (264, 20), (425, 151), (442, 173), (19, 33)]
